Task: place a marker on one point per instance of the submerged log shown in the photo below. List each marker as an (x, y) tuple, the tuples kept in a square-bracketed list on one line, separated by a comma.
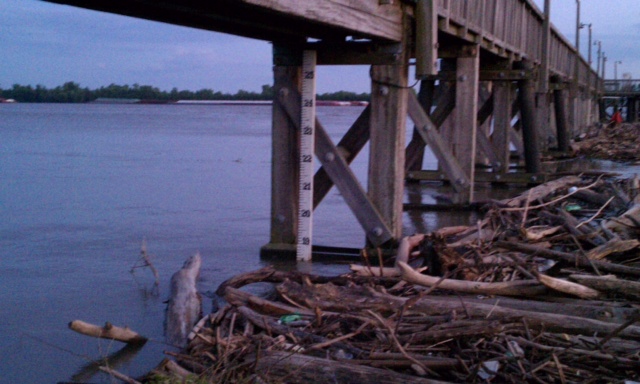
[(109, 331), (184, 308)]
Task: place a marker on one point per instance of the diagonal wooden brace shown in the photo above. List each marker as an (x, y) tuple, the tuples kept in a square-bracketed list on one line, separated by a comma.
[(335, 165), (430, 135)]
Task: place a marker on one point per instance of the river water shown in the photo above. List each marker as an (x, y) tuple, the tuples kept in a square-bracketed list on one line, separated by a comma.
[(84, 185)]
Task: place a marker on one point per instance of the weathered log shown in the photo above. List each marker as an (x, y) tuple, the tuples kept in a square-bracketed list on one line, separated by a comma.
[(296, 368), (568, 257), (525, 288), (605, 311), (611, 247), (627, 224), (611, 285), (333, 298), (363, 270), (271, 275), (109, 331), (541, 191), (568, 287), (239, 298), (406, 245), (185, 304)]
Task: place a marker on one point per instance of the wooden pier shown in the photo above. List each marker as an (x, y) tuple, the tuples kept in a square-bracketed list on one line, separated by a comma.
[(493, 74)]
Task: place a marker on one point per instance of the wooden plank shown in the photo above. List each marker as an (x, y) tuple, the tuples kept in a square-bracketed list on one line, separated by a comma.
[(386, 161), (465, 129), (450, 166), (338, 170), (365, 17), (414, 154)]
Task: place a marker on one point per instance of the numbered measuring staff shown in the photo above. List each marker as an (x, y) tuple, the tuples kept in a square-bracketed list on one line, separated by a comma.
[(307, 146)]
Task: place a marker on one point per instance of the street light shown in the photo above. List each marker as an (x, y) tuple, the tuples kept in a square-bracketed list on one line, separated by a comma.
[(582, 25), (615, 69), (615, 72), (599, 44)]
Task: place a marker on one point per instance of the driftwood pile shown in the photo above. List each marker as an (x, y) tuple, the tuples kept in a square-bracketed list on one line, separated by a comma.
[(544, 289), (612, 142)]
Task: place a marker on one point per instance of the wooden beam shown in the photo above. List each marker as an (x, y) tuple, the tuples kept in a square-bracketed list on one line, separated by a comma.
[(349, 146), (270, 20), (526, 97), (336, 167), (386, 161), (445, 104), (560, 105), (503, 99), (340, 52), (484, 144), (485, 177), (465, 129), (414, 154), (284, 160), (426, 15), (430, 135)]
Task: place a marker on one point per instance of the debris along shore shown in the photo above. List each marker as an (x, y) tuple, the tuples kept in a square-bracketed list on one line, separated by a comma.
[(610, 142), (546, 288)]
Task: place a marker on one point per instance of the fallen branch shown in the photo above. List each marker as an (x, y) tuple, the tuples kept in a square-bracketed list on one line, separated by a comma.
[(109, 331), (568, 287), (510, 288)]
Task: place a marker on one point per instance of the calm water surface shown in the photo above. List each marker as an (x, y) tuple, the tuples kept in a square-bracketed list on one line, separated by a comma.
[(83, 185)]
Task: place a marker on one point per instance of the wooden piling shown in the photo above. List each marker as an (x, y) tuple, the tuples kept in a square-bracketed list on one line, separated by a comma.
[(526, 96)]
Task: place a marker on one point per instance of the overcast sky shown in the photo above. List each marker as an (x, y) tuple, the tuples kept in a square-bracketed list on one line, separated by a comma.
[(49, 44)]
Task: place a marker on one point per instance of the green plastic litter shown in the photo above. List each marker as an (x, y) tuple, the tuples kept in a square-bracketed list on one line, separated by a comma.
[(572, 207), (286, 319)]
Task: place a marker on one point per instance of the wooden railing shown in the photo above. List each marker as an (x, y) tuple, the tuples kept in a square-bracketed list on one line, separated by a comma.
[(516, 27), (623, 86)]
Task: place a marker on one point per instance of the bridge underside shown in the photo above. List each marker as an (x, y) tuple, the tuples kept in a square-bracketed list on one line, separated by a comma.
[(494, 76)]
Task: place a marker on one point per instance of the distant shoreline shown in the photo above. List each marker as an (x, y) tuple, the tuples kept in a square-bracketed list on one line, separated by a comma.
[(331, 103)]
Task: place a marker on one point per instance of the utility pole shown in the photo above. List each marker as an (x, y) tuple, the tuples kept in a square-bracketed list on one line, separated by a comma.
[(599, 43)]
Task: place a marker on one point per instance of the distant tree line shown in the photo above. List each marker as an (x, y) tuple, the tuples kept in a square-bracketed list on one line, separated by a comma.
[(71, 92)]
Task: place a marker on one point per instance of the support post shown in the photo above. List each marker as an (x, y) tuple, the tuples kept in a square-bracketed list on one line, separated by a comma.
[(526, 96), (386, 161), (284, 166), (502, 99), (465, 129), (559, 102)]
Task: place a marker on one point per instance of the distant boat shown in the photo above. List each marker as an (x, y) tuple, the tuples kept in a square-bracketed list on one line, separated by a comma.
[(7, 100)]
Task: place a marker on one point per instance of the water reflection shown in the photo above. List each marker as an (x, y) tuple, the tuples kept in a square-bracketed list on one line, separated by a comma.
[(114, 361)]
